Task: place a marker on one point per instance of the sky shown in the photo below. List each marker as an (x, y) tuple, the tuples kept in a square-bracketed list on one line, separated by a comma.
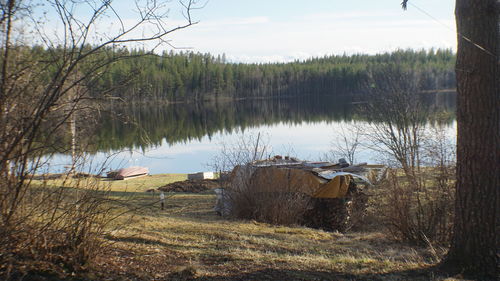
[(285, 30)]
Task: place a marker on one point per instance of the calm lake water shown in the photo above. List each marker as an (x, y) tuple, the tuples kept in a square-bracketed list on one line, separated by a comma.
[(185, 138)]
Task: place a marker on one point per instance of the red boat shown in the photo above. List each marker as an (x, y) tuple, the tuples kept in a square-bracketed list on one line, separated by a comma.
[(126, 173)]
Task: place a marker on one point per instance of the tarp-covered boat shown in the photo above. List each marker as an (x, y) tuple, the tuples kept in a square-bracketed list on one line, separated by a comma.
[(335, 190)]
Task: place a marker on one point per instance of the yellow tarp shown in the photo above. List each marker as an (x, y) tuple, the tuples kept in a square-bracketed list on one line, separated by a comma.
[(335, 188), (274, 179)]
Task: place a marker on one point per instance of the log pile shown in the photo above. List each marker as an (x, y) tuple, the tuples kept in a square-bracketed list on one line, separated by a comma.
[(337, 214)]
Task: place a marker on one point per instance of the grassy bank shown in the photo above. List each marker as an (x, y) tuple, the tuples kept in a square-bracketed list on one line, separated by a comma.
[(188, 241), (140, 184)]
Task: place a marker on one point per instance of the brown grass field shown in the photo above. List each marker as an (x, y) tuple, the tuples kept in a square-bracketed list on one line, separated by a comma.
[(188, 241)]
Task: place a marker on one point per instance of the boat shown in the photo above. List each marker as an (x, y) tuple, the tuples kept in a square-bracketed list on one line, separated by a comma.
[(127, 173)]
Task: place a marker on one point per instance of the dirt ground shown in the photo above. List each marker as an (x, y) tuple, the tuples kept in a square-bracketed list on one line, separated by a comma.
[(190, 186)]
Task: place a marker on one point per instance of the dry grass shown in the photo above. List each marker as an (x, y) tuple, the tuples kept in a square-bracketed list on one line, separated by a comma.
[(189, 241), (140, 184)]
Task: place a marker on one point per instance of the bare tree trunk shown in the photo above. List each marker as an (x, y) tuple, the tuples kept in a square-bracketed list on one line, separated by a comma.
[(475, 241), (72, 124), (5, 166)]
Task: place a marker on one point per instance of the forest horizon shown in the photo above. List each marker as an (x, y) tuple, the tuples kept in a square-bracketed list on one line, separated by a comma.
[(140, 76)]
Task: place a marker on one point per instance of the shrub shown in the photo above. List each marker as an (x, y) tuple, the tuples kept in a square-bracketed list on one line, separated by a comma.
[(266, 201), (418, 210), (54, 229)]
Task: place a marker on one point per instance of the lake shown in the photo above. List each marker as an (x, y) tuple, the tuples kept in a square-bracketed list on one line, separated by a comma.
[(185, 138)]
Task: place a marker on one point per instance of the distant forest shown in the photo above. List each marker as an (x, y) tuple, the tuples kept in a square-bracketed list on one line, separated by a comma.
[(189, 76)]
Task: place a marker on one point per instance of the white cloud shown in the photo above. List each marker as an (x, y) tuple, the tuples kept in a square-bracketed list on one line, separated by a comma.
[(281, 41), (235, 21), (288, 57), (361, 15)]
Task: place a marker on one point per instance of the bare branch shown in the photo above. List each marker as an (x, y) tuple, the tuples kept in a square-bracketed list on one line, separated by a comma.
[(404, 4)]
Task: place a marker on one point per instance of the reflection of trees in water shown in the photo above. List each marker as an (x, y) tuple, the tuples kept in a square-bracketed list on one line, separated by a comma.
[(143, 126)]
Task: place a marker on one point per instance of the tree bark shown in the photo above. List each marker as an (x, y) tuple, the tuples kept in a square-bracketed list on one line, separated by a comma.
[(475, 243)]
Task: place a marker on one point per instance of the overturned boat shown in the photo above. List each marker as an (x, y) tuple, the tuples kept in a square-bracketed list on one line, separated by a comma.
[(128, 173)]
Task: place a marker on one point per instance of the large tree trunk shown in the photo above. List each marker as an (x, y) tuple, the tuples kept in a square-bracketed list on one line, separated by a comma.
[(475, 241)]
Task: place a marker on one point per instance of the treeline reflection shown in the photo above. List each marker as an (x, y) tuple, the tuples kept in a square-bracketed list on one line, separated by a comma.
[(147, 125)]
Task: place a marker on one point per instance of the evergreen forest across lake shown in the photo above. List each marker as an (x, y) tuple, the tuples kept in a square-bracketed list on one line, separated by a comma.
[(137, 76)]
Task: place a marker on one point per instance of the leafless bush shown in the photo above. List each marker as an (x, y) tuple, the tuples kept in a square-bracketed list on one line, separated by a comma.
[(416, 198), (246, 149), (273, 200), (59, 227), (398, 117), (347, 144), (417, 214), (269, 195), (42, 90)]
